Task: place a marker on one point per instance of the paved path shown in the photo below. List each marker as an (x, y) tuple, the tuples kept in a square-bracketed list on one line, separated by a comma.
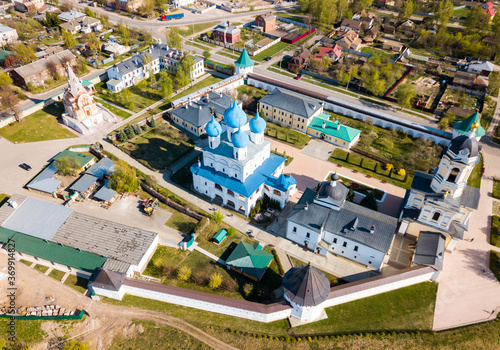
[(468, 292), (285, 260), (210, 255)]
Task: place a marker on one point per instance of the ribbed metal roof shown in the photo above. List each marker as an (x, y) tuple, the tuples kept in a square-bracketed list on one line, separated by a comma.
[(291, 103), (6, 209), (45, 181), (306, 285), (107, 279), (83, 183), (430, 250)]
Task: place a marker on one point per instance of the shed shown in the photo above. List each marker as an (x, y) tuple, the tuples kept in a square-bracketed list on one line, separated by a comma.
[(84, 160), (106, 194), (219, 236), (250, 261), (83, 183)]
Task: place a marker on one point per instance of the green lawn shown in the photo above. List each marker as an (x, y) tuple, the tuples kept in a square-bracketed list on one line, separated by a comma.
[(462, 13), (495, 263), (286, 135), (224, 249), (195, 44), (476, 174), (409, 308), (495, 231), (250, 96), (28, 333), (142, 95), (41, 268), (228, 53), (56, 274), (42, 125), (496, 188), (368, 168), (3, 198), (381, 53), (271, 51), (26, 262), (198, 27), (77, 283), (181, 222), (119, 112), (157, 336), (158, 148)]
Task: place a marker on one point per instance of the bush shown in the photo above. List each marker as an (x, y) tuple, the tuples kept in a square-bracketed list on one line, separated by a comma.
[(122, 137), (248, 289), (230, 285), (215, 280), (145, 127), (231, 232), (217, 217), (199, 278), (184, 273), (401, 172), (201, 224), (168, 271), (152, 122), (278, 262)]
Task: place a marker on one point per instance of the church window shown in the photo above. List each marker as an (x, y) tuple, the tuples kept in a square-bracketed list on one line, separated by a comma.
[(236, 154), (295, 229), (344, 244), (219, 187), (436, 216), (276, 192), (231, 193), (308, 235), (355, 248), (453, 175), (335, 240), (211, 144)]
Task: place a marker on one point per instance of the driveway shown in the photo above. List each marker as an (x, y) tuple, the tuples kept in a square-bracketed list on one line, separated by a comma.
[(319, 149)]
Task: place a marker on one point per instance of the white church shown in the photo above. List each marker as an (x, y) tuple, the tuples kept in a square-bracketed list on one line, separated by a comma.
[(238, 168)]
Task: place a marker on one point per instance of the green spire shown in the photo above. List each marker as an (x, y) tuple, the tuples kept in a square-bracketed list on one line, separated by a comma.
[(244, 60), (464, 126)]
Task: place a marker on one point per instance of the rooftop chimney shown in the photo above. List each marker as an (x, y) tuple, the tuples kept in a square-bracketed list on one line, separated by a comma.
[(372, 229), (324, 124), (307, 206)]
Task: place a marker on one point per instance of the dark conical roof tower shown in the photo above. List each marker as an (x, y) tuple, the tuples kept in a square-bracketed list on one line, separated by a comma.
[(306, 285)]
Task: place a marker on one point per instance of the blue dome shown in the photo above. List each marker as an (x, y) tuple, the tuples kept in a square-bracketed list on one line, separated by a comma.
[(234, 116), (240, 139), (213, 128), (257, 124)]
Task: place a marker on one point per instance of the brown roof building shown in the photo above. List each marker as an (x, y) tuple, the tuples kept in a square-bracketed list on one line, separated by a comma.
[(299, 60), (267, 21)]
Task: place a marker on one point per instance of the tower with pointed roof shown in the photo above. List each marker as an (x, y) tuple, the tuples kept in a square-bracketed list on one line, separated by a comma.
[(81, 112), (238, 168), (469, 126), (244, 64)]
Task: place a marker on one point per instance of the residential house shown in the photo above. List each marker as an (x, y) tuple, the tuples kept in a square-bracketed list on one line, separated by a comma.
[(370, 35), (37, 72), (72, 26), (7, 34), (366, 22), (299, 60), (126, 5), (28, 5), (115, 48), (267, 22), (388, 29), (470, 82), (226, 33), (333, 131), (8, 59), (249, 260), (348, 40), (194, 115), (324, 222), (489, 9), (407, 28), (350, 24), (392, 45), (333, 53), (289, 109), (90, 24), (129, 72), (357, 16), (70, 15), (480, 67)]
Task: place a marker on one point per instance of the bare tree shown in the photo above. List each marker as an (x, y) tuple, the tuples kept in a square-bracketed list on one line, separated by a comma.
[(52, 66), (10, 100)]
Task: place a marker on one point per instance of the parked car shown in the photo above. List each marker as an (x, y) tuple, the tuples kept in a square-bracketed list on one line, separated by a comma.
[(267, 58), (298, 77), (25, 166)]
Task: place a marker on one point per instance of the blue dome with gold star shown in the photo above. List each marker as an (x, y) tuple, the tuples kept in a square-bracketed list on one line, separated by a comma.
[(257, 124), (240, 139), (213, 128), (234, 116)]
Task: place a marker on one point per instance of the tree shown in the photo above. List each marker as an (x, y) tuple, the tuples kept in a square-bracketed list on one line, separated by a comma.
[(81, 64), (444, 122), (369, 201), (342, 8), (5, 80), (247, 289), (478, 19), (147, 7), (181, 79), (174, 38), (443, 11), (152, 122), (184, 273), (122, 137), (51, 20), (76, 345), (165, 84), (67, 166), (206, 55), (124, 178), (104, 19), (69, 40), (130, 132), (350, 195), (147, 64), (10, 100), (407, 9), (405, 95), (124, 33), (365, 4), (93, 42), (125, 98), (89, 12), (25, 53), (187, 64), (217, 217), (215, 280)]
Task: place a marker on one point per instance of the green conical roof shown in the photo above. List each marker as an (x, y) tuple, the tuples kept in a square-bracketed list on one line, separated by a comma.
[(464, 126), (244, 60)]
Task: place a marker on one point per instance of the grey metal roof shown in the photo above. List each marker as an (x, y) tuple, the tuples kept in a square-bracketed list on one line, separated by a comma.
[(45, 180), (69, 15), (306, 285), (105, 165), (6, 210), (105, 194), (199, 113), (5, 29), (470, 197), (463, 142), (103, 237), (422, 183), (341, 221), (115, 265), (83, 183), (291, 103), (37, 218), (43, 64), (430, 250), (336, 192), (107, 279)]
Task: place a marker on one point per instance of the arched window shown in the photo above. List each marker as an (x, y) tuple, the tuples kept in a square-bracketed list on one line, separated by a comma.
[(231, 193), (219, 187), (436, 216), (453, 175)]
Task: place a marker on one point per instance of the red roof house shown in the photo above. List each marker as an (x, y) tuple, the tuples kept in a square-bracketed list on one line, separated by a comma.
[(488, 8), (333, 52)]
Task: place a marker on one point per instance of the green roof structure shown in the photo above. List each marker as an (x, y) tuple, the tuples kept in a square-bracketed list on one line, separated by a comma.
[(244, 60), (251, 260), (4, 54), (57, 253), (81, 159), (6, 234), (219, 236), (463, 127), (86, 82), (333, 128)]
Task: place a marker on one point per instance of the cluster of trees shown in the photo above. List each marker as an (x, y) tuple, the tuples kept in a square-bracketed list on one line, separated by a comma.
[(264, 204), (200, 277), (130, 132), (9, 94), (377, 76), (326, 12), (124, 178), (67, 166)]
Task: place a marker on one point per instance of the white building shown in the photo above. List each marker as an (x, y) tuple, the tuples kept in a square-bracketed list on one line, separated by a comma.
[(238, 168), (323, 221), (179, 3), (27, 5), (129, 72), (443, 202), (70, 15), (7, 34)]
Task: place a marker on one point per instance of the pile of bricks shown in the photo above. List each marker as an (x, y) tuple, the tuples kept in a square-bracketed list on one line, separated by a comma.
[(46, 310)]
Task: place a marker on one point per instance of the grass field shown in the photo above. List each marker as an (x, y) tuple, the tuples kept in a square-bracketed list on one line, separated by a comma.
[(26, 262), (181, 222), (495, 263), (41, 268), (56, 274), (496, 188), (42, 125), (158, 148), (476, 174), (142, 95), (3, 198), (286, 135), (121, 113), (77, 283), (271, 51), (196, 28), (495, 231), (27, 333), (157, 336)]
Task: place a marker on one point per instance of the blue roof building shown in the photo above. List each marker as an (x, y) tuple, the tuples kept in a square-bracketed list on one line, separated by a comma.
[(238, 168)]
